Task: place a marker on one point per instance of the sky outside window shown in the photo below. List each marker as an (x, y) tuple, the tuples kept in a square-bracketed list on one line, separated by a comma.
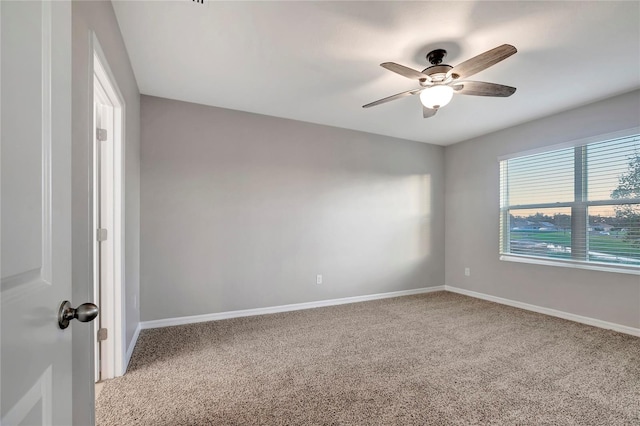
[(541, 178), (549, 177)]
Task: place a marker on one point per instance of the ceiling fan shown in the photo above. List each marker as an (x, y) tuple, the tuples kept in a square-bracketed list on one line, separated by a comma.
[(439, 82)]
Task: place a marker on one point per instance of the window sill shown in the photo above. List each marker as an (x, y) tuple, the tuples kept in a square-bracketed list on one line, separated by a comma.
[(632, 270)]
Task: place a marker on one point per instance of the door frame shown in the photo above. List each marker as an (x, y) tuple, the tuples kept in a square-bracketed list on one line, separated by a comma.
[(112, 309)]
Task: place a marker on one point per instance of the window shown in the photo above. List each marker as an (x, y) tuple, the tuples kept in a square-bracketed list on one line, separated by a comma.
[(578, 205)]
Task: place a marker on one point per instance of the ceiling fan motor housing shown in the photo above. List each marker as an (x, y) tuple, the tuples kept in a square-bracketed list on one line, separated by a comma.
[(437, 73)]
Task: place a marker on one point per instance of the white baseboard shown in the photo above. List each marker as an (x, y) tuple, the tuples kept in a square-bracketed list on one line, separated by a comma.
[(167, 322), (547, 311), (130, 349)]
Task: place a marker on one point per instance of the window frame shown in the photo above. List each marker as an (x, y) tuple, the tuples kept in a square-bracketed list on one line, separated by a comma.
[(579, 208)]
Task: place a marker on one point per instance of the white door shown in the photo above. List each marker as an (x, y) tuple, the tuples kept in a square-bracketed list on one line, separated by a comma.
[(35, 111)]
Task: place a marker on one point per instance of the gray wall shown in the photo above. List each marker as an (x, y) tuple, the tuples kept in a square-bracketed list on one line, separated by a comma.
[(472, 209), (242, 211), (98, 16)]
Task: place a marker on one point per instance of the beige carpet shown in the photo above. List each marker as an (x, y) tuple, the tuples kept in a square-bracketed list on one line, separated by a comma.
[(431, 359)]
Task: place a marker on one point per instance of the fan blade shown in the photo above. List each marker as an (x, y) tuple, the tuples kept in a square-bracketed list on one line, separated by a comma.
[(405, 71), (428, 112), (480, 88), (482, 61), (393, 97)]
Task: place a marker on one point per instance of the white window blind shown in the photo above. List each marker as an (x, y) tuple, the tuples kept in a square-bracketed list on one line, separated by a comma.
[(576, 204)]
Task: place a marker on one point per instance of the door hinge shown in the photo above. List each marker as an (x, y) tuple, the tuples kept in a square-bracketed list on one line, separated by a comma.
[(101, 234), (102, 334), (101, 134)]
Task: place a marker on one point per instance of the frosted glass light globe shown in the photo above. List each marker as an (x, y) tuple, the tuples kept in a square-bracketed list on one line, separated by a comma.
[(436, 96)]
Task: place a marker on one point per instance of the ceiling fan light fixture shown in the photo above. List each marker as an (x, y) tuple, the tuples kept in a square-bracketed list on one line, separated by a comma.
[(436, 97)]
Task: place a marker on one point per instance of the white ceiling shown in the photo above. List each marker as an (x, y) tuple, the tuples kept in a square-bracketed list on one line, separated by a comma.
[(319, 61)]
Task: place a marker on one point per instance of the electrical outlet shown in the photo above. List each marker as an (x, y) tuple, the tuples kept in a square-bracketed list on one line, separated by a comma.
[(467, 272), (318, 279)]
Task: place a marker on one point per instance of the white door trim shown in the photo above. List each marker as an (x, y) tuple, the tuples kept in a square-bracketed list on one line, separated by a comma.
[(115, 343)]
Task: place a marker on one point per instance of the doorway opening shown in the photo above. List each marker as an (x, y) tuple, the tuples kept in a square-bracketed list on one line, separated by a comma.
[(108, 221)]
